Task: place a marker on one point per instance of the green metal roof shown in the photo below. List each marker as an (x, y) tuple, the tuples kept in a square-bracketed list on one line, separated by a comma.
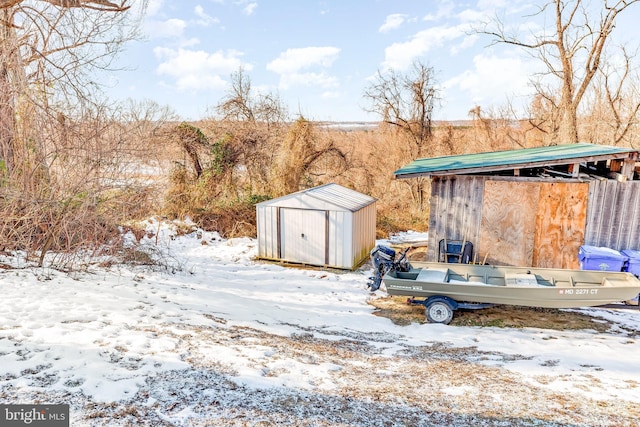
[(512, 159)]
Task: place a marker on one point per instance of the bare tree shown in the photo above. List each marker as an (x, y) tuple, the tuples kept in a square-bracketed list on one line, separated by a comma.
[(613, 111), (63, 181), (50, 52), (495, 130), (101, 5), (253, 124), (571, 53), (406, 102), (191, 139), (241, 104)]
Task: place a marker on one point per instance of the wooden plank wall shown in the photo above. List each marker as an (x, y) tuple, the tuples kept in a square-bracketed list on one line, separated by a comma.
[(456, 211), (510, 221), (613, 216)]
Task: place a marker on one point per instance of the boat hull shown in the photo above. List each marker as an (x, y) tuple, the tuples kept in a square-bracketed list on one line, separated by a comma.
[(530, 287)]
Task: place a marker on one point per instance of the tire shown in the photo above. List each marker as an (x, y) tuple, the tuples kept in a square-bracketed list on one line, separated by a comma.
[(439, 311)]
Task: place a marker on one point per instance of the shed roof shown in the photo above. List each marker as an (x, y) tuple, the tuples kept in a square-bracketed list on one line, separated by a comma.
[(332, 194), (514, 159)]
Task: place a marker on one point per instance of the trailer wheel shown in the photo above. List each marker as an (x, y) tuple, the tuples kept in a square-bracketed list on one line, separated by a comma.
[(439, 311)]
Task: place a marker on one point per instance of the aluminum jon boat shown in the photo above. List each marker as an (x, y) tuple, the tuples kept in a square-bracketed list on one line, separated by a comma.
[(447, 287)]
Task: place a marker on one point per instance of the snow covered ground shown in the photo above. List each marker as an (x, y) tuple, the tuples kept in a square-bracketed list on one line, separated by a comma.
[(217, 338)]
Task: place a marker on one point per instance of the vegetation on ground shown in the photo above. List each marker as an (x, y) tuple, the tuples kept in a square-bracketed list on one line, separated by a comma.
[(400, 313), (75, 168)]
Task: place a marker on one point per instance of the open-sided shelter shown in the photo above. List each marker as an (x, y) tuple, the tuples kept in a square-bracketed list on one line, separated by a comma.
[(535, 206), (329, 225)]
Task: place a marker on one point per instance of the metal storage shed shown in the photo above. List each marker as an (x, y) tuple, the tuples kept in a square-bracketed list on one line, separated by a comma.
[(329, 225)]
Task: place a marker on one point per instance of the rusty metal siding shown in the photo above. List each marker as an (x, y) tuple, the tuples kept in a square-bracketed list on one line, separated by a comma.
[(613, 215)]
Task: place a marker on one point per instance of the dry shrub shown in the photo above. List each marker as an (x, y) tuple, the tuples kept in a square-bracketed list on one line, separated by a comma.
[(308, 158), (37, 226), (235, 220), (73, 181), (374, 156), (203, 201), (248, 162)]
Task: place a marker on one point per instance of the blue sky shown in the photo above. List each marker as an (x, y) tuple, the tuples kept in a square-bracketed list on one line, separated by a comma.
[(318, 56)]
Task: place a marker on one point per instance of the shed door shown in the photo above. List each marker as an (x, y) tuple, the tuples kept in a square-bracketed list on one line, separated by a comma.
[(303, 236)]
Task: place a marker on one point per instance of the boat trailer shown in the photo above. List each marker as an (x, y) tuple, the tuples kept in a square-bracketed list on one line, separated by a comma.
[(438, 308)]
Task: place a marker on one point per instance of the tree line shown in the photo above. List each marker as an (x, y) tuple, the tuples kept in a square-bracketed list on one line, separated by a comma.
[(75, 169)]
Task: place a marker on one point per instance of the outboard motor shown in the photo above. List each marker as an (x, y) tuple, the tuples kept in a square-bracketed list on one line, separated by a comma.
[(383, 259)]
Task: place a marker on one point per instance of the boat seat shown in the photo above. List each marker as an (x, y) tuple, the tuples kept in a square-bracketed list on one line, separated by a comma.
[(521, 279), (433, 275), (610, 282)]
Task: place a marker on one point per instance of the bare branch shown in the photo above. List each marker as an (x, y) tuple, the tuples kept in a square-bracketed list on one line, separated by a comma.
[(575, 32), (100, 5), (406, 102)]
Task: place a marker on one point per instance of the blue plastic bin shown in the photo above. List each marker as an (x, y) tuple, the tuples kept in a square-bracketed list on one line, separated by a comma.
[(600, 258), (633, 263)]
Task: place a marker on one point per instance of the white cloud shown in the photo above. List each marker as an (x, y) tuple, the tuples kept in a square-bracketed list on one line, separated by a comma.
[(165, 29), (308, 79), (193, 41), (248, 6), (392, 22), (154, 7), (493, 79), (496, 4), (292, 65), (294, 60), (331, 95), (467, 42), (204, 19), (197, 69), (445, 8), (399, 56), (473, 16)]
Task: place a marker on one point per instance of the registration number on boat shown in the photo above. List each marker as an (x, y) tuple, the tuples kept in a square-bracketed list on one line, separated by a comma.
[(578, 291)]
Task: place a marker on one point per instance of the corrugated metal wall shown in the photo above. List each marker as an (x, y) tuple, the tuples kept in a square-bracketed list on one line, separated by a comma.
[(267, 228), (613, 217), (364, 234), (303, 236)]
